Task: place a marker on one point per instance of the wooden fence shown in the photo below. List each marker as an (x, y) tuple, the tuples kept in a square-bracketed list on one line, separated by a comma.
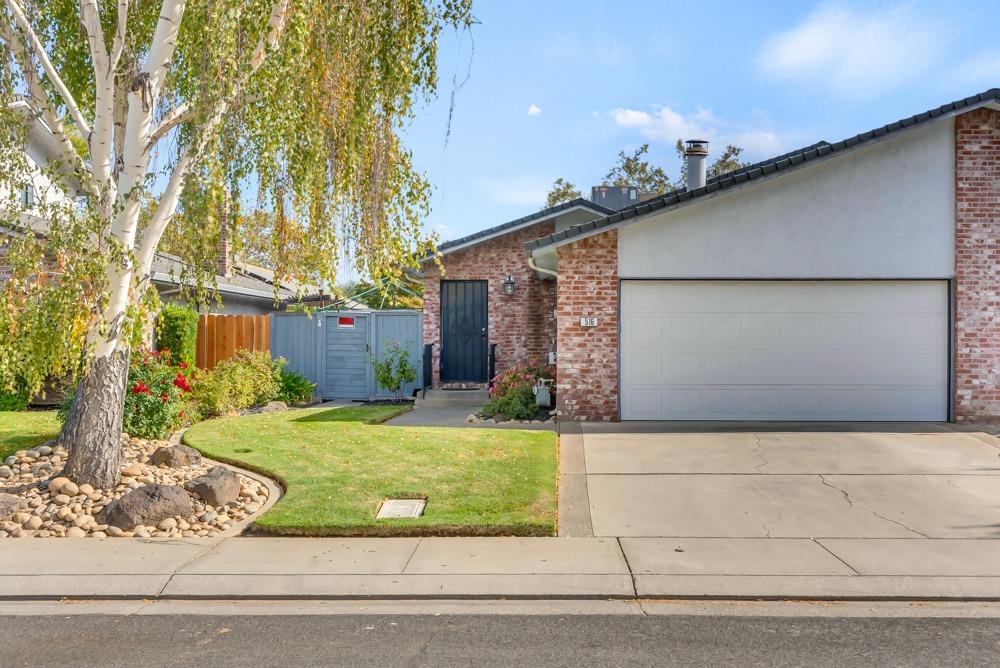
[(220, 336)]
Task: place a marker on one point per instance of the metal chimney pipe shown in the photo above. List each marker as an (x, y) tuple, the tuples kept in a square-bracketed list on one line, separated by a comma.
[(696, 154)]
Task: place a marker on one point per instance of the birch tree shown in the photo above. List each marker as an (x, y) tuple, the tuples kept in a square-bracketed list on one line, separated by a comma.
[(294, 105)]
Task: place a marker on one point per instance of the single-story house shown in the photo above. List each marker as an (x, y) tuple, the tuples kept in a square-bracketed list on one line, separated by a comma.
[(854, 280)]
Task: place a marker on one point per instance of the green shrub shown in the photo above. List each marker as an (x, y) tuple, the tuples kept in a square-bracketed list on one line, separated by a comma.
[(14, 400), (393, 370), (517, 404), (512, 392), (295, 388), (154, 395), (250, 378), (177, 331)]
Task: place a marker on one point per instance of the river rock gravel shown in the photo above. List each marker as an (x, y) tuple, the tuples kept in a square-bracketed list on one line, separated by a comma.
[(51, 505)]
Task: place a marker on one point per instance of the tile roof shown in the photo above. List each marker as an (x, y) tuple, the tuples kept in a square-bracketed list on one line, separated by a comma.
[(493, 231), (763, 169)]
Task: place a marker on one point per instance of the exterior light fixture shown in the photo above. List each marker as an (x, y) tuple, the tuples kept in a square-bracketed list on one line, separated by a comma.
[(508, 285)]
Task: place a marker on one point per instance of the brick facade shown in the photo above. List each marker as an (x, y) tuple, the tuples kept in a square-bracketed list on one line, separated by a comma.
[(588, 356), (523, 324), (977, 265)]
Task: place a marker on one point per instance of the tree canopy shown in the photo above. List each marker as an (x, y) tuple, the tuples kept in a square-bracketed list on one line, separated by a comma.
[(173, 118), (635, 169), (561, 191)]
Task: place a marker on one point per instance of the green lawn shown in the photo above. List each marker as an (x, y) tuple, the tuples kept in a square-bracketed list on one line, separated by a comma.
[(22, 429), (337, 465)]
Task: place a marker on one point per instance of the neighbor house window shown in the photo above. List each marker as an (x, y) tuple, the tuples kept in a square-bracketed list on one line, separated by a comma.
[(27, 196), (346, 322)]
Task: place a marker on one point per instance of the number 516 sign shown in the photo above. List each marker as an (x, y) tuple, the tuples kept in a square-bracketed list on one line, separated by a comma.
[(589, 321)]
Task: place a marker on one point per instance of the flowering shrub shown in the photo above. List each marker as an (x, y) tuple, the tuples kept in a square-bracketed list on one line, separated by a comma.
[(512, 392), (154, 396)]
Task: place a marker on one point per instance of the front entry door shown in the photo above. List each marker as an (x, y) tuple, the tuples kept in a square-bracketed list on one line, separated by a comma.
[(464, 331)]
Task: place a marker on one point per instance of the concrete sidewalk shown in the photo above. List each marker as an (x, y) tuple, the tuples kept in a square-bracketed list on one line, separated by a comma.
[(501, 568)]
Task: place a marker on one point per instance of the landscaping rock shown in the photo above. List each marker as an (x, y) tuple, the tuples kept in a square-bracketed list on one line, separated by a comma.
[(56, 484), (176, 455), (274, 407), (6, 472), (217, 487), (10, 504), (146, 505)]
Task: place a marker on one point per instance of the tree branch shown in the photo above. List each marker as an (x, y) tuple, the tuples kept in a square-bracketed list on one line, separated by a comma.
[(34, 46), (42, 104), (164, 42), (99, 140), (119, 44), (170, 120), (171, 194)]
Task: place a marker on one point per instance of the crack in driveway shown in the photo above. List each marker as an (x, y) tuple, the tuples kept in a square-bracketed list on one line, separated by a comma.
[(850, 502), (758, 453)]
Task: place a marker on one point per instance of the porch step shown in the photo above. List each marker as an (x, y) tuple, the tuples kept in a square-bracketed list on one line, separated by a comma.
[(452, 398)]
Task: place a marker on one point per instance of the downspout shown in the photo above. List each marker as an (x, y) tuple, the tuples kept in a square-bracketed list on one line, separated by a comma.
[(531, 263), (553, 274)]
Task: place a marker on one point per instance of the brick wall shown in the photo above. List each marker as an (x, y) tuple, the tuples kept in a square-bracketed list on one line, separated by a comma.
[(522, 325), (977, 265), (588, 356)]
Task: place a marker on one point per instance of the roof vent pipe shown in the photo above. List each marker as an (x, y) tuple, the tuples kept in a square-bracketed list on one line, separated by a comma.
[(696, 154)]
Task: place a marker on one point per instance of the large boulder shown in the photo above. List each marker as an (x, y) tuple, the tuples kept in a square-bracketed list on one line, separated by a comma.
[(176, 455), (217, 487), (10, 504), (274, 407), (147, 505)]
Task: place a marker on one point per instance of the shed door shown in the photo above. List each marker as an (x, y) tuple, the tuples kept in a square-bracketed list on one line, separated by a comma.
[(784, 350), (347, 365), (464, 323)]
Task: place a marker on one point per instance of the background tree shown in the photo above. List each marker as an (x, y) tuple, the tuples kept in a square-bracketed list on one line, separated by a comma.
[(561, 191), (289, 106), (389, 293), (634, 169)]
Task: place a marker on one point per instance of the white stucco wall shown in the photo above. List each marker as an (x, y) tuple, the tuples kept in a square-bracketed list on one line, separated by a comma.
[(882, 211)]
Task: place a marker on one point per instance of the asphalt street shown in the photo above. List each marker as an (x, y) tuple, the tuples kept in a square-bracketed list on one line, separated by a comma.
[(494, 640)]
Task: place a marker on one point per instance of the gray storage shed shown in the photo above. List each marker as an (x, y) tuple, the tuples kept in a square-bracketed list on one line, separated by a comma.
[(335, 349)]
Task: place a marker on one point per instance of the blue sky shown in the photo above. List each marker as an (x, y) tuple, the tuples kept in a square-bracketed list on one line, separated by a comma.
[(556, 89)]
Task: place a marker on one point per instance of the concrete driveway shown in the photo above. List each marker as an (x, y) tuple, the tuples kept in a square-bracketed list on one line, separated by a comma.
[(849, 481)]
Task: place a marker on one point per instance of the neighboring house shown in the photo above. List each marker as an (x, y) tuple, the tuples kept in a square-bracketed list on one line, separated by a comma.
[(856, 280), (243, 288)]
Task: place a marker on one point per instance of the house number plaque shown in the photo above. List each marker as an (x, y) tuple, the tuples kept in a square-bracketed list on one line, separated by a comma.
[(588, 322)]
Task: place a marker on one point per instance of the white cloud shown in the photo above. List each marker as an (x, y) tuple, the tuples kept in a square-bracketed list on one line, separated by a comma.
[(534, 110), (665, 125), (521, 189), (855, 51)]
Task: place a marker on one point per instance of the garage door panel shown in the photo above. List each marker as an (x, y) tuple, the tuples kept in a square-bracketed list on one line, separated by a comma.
[(776, 350), (681, 368)]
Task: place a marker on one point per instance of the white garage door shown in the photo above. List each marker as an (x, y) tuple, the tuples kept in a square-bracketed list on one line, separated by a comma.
[(784, 350)]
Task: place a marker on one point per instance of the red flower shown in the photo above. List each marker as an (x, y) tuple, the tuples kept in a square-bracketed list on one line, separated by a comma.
[(181, 381), (141, 388), (183, 365), (164, 397)]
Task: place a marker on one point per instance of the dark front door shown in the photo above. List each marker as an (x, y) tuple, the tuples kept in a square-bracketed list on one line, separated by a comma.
[(464, 335)]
